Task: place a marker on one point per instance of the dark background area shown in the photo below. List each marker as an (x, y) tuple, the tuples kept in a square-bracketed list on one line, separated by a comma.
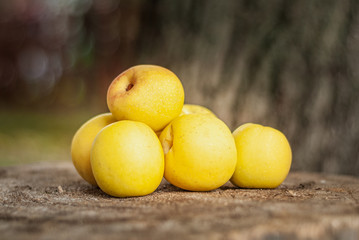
[(292, 65)]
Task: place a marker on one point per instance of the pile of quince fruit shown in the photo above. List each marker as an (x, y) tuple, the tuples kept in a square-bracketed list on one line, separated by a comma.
[(150, 134)]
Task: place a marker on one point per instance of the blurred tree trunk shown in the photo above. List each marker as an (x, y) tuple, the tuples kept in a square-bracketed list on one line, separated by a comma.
[(289, 64), (293, 65)]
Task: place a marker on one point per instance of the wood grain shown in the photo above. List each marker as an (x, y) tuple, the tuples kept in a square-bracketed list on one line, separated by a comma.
[(50, 201)]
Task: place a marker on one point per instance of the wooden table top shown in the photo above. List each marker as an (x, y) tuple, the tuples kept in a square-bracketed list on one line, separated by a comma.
[(51, 201)]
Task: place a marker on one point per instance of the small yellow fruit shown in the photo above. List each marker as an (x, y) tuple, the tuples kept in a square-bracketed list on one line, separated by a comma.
[(191, 108), (127, 159), (82, 143), (200, 152), (264, 157), (146, 93)]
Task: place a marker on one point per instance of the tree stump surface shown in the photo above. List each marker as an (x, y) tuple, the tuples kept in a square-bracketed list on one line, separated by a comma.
[(51, 201)]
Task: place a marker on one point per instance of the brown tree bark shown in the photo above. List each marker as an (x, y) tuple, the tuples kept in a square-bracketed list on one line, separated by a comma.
[(291, 65)]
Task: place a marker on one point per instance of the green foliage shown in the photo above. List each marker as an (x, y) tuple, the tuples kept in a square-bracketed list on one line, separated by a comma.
[(37, 136)]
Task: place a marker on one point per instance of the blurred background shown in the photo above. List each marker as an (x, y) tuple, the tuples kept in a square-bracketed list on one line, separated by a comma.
[(292, 65)]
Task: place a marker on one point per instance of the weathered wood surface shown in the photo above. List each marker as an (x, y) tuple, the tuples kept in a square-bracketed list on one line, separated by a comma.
[(50, 201)]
